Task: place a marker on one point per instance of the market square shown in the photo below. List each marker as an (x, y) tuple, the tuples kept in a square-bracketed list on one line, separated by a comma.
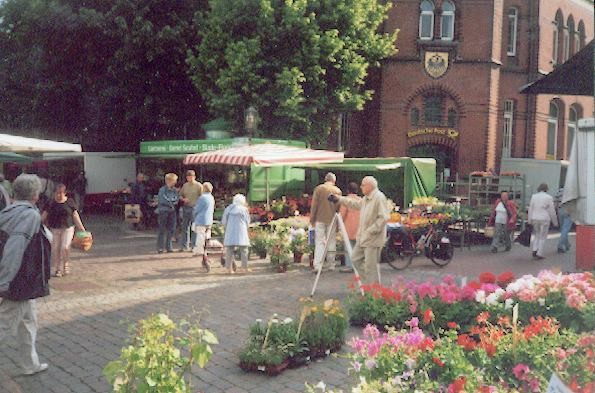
[(297, 196)]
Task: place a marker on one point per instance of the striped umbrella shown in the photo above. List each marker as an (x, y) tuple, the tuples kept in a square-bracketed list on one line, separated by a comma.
[(266, 154)]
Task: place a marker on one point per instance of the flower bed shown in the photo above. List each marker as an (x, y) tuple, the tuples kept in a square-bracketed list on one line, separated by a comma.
[(498, 357), (570, 299), (279, 344)]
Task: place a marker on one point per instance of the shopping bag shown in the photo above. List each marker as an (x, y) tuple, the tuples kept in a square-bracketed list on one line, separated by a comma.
[(524, 237), (82, 240), (488, 232), (132, 213)]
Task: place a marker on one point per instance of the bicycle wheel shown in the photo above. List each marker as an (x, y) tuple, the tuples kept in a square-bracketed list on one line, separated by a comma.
[(441, 249), (397, 259)]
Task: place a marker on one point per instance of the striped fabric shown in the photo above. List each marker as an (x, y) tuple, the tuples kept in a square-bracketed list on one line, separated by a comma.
[(266, 154)]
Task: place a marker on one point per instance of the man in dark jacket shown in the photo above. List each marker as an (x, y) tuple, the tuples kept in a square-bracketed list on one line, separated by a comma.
[(24, 269)]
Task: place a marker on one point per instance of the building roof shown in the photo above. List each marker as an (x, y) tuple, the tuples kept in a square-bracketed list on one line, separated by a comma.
[(574, 77)]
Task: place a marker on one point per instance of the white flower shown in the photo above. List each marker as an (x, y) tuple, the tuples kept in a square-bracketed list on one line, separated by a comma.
[(480, 296), (508, 303), (259, 321), (274, 320), (320, 385), (541, 301), (491, 299), (287, 320)]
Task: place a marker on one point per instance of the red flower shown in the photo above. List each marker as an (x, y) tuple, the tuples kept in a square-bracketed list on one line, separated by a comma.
[(466, 342), (489, 348), (483, 317), (474, 285), (452, 325), (438, 361), (505, 278), (504, 321), (428, 316), (458, 385), (487, 278), (426, 344)]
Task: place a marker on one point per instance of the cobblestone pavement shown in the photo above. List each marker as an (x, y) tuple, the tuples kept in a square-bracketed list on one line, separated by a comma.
[(84, 323)]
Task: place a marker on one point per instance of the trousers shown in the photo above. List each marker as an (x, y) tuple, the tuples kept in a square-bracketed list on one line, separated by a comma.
[(188, 235), (19, 319), (203, 233), (365, 260), (321, 231), (167, 228), (540, 230), (229, 255), (62, 238), (502, 237)]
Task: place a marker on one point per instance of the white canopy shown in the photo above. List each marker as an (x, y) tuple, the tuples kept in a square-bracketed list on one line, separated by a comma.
[(24, 144), (579, 189)]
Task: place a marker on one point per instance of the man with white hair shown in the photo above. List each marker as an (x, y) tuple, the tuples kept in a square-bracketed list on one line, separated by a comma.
[(321, 217), (24, 269), (371, 233)]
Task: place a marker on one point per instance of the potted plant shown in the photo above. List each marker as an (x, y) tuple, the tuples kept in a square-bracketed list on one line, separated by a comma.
[(299, 246), (259, 242), (279, 250)]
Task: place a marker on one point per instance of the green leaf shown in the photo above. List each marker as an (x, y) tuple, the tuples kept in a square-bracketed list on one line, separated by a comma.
[(209, 337)]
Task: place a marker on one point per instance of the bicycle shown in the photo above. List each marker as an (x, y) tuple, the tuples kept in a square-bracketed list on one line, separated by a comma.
[(402, 246)]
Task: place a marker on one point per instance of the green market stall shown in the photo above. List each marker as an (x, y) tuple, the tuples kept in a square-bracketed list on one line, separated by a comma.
[(401, 179), (282, 180)]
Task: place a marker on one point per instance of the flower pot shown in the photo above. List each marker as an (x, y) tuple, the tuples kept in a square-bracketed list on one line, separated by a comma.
[(275, 370), (297, 257), (298, 361)]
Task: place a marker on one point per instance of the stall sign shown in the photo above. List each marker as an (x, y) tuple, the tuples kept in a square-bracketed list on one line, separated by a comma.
[(448, 132), (184, 147)]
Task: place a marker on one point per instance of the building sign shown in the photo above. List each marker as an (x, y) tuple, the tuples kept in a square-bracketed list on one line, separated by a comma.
[(436, 64), (447, 132), (181, 148)]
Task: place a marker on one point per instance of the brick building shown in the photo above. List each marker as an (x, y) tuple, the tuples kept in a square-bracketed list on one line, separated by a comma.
[(452, 90)]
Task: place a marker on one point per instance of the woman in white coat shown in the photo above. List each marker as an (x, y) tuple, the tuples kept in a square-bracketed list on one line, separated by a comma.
[(236, 220), (541, 212)]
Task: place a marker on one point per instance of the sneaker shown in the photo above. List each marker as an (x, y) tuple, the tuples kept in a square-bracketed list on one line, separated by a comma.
[(494, 250), (507, 249), (58, 273), (534, 254), (42, 367), (346, 270), (159, 251), (561, 251)]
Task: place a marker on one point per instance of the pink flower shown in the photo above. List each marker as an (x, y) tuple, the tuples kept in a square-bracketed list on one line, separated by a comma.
[(520, 371), (413, 322)]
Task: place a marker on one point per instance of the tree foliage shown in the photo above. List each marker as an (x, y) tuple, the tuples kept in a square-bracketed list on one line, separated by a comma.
[(112, 72), (300, 62)]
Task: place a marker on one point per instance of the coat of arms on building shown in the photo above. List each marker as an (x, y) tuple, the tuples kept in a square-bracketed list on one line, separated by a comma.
[(436, 64)]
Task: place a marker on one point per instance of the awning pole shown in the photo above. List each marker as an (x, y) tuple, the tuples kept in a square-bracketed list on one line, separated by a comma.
[(266, 175)]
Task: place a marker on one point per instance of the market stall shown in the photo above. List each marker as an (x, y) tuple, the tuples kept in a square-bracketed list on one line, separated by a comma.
[(21, 144), (401, 179), (264, 157)]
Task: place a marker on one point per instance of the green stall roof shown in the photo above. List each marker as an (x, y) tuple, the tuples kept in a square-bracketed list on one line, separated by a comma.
[(409, 177)]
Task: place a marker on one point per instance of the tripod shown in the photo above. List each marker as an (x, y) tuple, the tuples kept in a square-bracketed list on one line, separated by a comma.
[(337, 220)]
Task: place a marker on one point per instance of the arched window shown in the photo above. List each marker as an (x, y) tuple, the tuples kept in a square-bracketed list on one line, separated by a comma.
[(447, 21), (571, 34), (513, 18), (557, 34), (552, 131), (581, 35), (414, 117), (573, 117), (433, 105), (452, 118), (426, 20)]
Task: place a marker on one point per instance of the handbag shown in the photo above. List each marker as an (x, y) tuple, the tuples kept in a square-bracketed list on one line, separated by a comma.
[(488, 231), (524, 238)]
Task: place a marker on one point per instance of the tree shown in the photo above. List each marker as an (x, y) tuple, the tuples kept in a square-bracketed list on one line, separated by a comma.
[(110, 73), (300, 62)]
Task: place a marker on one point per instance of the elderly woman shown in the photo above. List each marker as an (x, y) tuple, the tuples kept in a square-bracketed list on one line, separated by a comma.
[(541, 213), (236, 220), (203, 219), (61, 215), (24, 271), (167, 199)]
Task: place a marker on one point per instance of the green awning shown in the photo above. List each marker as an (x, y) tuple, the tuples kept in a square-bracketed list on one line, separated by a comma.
[(401, 179)]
